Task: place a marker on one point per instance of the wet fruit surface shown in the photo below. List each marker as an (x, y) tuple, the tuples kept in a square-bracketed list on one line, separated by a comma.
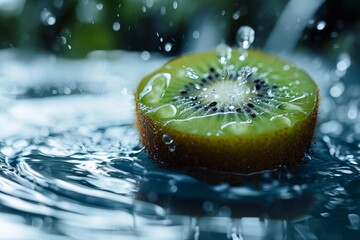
[(228, 114)]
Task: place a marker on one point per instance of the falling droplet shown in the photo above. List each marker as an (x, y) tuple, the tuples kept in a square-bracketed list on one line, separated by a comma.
[(145, 55), (47, 17), (116, 26), (168, 47), (190, 73), (223, 53), (245, 36)]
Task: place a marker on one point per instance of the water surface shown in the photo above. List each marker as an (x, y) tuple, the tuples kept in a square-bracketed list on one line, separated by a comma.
[(72, 167)]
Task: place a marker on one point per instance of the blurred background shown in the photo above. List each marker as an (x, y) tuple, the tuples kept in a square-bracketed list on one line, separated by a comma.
[(73, 28)]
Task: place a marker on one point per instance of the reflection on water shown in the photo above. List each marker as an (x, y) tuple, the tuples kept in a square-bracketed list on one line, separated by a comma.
[(72, 168)]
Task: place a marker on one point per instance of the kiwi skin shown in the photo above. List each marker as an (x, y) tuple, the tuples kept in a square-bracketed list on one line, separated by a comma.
[(240, 154)]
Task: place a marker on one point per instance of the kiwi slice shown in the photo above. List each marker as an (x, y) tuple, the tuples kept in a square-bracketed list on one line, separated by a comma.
[(227, 113)]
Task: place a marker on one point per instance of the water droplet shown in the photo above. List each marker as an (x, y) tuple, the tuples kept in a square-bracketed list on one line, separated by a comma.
[(175, 4), (245, 36), (99, 6), (223, 53), (168, 47), (47, 17), (155, 88), (321, 25), (190, 73), (196, 34), (344, 62), (145, 55), (337, 90), (167, 139), (116, 26), (236, 15), (172, 148), (173, 188), (244, 73)]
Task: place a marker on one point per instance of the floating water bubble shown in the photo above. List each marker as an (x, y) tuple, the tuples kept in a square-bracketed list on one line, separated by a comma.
[(223, 53), (196, 34), (321, 25), (353, 111), (116, 26), (337, 90), (99, 6), (145, 55), (245, 36), (190, 73), (47, 17), (168, 47), (344, 62), (236, 15)]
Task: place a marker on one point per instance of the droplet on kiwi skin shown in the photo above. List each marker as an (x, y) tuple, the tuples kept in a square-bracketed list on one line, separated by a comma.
[(167, 139)]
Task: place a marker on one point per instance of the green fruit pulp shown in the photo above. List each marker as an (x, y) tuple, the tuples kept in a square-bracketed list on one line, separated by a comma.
[(159, 95)]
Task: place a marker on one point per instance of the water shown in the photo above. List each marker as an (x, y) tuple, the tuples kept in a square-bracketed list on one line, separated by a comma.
[(72, 166)]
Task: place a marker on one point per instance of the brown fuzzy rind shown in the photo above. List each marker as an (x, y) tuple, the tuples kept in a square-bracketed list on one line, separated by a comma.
[(242, 154)]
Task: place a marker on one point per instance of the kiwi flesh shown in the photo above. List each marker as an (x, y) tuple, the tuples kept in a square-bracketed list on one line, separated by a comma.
[(235, 116)]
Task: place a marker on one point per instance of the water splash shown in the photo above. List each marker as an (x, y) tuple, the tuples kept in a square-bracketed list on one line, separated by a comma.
[(224, 53)]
